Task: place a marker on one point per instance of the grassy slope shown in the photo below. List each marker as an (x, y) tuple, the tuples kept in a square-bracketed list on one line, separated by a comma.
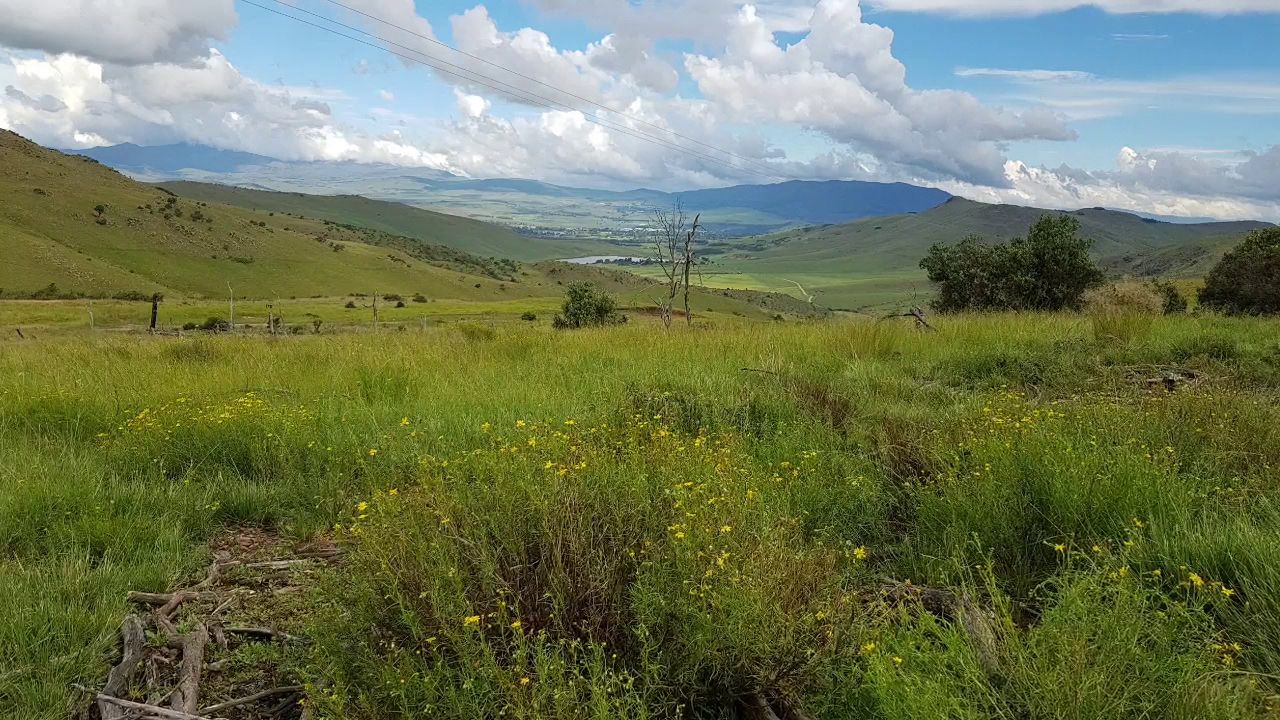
[(49, 226), (718, 566), (874, 260), (471, 236), (49, 234)]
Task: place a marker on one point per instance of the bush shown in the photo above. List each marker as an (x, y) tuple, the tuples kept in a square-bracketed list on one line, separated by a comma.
[(586, 305), (419, 298), (392, 297), (1173, 299), (529, 316), (351, 305), (1050, 269), (1247, 280), (400, 303)]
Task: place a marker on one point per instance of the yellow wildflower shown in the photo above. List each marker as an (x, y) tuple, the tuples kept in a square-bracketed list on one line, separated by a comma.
[(868, 648), (471, 621), (1059, 547), (404, 422), (516, 625), (525, 680), (1196, 580), (373, 451), (860, 553)]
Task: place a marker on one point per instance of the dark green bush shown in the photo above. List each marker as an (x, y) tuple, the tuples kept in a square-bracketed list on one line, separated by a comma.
[(586, 305), (1247, 280), (1050, 269), (1174, 301)]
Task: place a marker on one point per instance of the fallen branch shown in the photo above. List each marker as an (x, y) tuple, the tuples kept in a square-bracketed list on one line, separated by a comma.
[(279, 564), (186, 698), (288, 689), (261, 632), (142, 709), (162, 599), (917, 314), (133, 640)]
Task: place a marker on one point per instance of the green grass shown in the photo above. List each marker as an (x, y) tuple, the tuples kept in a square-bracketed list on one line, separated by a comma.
[(625, 523)]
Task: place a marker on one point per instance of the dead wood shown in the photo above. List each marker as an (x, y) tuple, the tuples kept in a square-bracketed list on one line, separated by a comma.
[(142, 710), (288, 689), (263, 632), (186, 698), (162, 599), (915, 313), (133, 640)]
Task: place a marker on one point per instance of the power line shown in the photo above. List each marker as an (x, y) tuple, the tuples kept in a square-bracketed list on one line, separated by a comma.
[(493, 84), (594, 103)]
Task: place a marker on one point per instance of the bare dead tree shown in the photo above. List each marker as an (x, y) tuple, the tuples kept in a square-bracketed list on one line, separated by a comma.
[(687, 261), (669, 227)]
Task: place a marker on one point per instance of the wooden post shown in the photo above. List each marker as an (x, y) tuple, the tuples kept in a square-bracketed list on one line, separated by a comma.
[(90, 314), (232, 323), (271, 318), (155, 311), (375, 309)]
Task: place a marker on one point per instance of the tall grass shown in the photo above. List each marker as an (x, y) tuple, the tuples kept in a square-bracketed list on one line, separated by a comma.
[(623, 523)]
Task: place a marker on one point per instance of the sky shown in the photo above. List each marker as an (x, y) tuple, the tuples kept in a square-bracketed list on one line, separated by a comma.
[(1169, 107)]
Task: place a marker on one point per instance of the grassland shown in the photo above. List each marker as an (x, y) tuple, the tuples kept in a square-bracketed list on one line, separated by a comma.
[(1002, 519)]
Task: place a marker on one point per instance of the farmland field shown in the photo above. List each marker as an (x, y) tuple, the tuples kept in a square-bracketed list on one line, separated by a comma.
[(1011, 517)]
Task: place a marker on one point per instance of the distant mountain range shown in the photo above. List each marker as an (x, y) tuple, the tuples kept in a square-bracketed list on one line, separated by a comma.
[(533, 205)]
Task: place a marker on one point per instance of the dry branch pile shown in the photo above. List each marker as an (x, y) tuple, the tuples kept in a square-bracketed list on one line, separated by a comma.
[(166, 660)]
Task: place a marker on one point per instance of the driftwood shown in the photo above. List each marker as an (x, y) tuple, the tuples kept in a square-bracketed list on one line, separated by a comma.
[(287, 690)]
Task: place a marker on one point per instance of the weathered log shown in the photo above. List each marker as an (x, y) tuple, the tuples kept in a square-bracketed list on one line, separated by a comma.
[(133, 640), (186, 698)]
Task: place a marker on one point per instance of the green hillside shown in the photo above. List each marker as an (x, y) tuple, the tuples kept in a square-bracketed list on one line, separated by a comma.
[(71, 222), (70, 226), (876, 261), (472, 236)]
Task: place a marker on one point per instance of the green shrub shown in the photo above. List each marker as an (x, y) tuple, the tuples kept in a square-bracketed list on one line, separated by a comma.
[(1174, 301), (1050, 269), (1246, 281), (529, 316), (585, 305)]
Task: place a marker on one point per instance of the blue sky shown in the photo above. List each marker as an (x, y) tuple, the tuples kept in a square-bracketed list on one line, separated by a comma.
[(1051, 102)]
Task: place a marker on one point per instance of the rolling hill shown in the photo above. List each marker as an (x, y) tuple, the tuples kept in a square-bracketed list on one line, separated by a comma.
[(1123, 242), (70, 226), (877, 260)]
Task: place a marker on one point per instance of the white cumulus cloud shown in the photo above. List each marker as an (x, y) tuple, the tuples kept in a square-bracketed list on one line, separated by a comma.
[(133, 32)]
